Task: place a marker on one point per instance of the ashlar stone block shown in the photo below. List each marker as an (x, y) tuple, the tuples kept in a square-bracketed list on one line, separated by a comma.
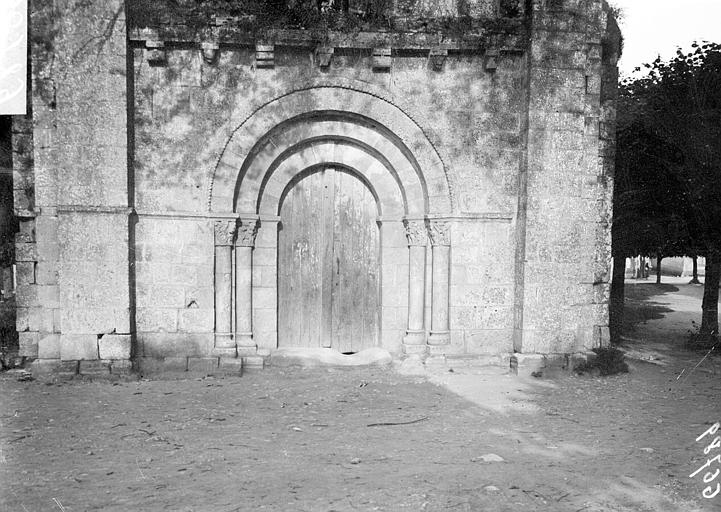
[(77, 347), (114, 346), (25, 272), (49, 346), (28, 343)]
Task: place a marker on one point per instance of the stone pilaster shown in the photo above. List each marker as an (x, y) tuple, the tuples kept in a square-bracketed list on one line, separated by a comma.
[(224, 343), (440, 235), (414, 342), (245, 241)]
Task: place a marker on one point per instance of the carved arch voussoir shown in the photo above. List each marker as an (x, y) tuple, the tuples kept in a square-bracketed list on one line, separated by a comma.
[(378, 107)]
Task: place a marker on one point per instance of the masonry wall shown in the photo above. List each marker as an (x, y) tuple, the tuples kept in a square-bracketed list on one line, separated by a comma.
[(186, 109), (112, 180), (568, 181), (72, 191)]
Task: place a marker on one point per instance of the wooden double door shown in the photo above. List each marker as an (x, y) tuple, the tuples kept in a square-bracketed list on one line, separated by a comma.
[(328, 263)]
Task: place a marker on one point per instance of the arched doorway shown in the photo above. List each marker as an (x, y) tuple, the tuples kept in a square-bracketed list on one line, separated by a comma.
[(328, 262), (381, 147)]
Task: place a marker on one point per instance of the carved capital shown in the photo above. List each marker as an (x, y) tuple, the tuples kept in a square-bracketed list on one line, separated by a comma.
[(224, 231), (247, 229), (416, 232), (210, 50), (439, 232)]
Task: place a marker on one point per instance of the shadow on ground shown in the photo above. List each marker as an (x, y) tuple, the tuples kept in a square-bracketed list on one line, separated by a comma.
[(638, 309), (370, 439)]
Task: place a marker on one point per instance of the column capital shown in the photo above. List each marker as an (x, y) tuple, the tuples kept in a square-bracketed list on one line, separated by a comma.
[(247, 230), (416, 232), (439, 232), (224, 231)]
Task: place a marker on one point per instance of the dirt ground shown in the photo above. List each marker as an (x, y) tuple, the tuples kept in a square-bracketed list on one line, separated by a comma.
[(373, 439)]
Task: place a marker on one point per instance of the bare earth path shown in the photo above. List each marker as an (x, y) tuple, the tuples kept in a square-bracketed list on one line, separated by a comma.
[(324, 440)]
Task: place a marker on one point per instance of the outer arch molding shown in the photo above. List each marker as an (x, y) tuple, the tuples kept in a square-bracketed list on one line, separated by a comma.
[(239, 148)]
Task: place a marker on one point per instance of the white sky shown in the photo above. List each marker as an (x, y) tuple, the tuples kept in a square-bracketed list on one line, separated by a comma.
[(653, 27)]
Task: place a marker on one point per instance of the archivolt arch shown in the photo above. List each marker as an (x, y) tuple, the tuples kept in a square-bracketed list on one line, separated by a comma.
[(333, 153), (328, 112), (272, 148)]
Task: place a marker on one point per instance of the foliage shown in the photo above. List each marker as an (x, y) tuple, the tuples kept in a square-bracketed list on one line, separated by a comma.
[(608, 361), (340, 15), (616, 11), (302, 14), (674, 112), (696, 340), (669, 163), (669, 156), (7, 254)]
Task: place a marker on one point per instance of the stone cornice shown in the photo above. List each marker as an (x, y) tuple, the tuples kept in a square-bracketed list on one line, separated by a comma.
[(181, 35)]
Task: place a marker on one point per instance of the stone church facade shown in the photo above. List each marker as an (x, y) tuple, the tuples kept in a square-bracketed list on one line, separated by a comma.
[(197, 189)]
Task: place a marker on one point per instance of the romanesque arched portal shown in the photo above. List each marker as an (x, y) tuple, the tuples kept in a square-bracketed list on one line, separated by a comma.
[(326, 130)]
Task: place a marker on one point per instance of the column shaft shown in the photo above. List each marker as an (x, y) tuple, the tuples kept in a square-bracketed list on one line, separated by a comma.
[(224, 343), (439, 233), (414, 342), (416, 287), (247, 230), (223, 337), (439, 304), (244, 297)]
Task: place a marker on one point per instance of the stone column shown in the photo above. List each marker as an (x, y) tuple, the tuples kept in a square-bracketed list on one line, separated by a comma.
[(414, 342), (224, 343), (440, 235), (244, 243)]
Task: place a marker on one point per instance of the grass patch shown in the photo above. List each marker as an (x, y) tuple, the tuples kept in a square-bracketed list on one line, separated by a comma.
[(608, 361)]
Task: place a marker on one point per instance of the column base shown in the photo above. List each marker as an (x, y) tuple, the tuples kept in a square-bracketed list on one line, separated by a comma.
[(225, 352), (414, 338), (437, 350), (436, 361), (253, 362), (439, 338), (246, 344), (224, 345), (419, 350)]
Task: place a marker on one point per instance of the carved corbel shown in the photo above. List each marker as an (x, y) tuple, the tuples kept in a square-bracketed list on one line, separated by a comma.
[(438, 56), (323, 56), (381, 61), (210, 51), (156, 52), (491, 63), (264, 55)]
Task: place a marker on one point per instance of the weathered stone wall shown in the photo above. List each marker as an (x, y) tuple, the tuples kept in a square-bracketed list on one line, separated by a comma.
[(75, 306), (130, 190), (564, 236), (174, 273), (8, 228), (186, 110)]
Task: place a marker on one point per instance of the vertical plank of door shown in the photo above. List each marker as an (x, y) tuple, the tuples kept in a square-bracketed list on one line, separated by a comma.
[(300, 265), (313, 216), (284, 263), (345, 317), (356, 253), (355, 229), (340, 267), (326, 226), (289, 317)]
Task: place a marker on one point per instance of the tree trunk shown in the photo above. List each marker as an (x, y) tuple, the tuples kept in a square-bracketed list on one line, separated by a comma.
[(615, 308), (643, 273), (709, 306), (658, 267), (695, 271)]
